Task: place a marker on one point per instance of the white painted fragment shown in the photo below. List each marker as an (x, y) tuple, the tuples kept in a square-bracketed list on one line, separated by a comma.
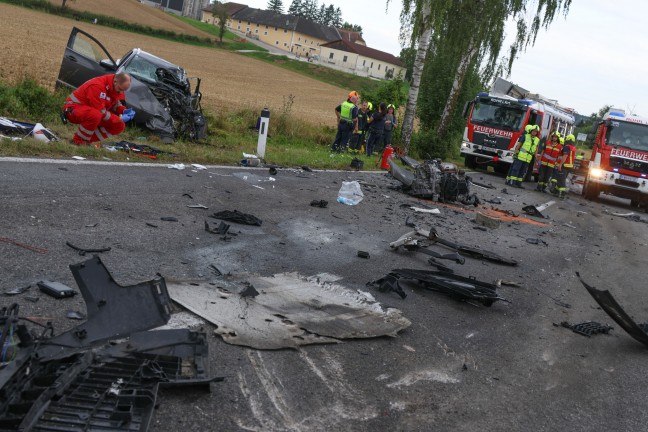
[(424, 375)]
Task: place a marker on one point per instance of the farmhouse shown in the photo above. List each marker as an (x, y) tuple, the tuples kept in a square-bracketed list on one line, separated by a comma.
[(189, 8), (336, 48)]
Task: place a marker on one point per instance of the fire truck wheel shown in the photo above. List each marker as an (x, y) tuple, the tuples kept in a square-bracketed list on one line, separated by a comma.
[(590, 192), (470, 162)]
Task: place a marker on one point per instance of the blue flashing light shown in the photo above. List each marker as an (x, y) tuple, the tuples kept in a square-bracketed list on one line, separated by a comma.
[(615, 169), (643, 175), (525, 102), (617, 113), (482, 94)]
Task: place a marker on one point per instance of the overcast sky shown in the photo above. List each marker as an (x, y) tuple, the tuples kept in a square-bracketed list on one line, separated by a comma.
[(598, 55)]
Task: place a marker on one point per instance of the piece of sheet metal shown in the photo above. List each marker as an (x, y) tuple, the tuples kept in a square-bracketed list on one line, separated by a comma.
[(605, 299), (289, 311)]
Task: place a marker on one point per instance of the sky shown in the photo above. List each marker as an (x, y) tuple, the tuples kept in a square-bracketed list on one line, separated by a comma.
[(596, 56)]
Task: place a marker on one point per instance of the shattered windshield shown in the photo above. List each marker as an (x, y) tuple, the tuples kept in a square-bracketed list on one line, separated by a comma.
[(142, 69), (628, 135), (494, 115)]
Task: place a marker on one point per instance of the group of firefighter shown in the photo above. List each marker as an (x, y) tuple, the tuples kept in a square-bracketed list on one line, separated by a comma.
[(557, 157), (361, 128)]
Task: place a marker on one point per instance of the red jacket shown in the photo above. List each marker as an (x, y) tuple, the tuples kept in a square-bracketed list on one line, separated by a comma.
[(98, 93)]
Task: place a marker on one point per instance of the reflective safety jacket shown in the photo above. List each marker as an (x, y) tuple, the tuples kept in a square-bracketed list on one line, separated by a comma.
[(528, 148), (551, 153), (346, 111), (570, 156), (98, 93)]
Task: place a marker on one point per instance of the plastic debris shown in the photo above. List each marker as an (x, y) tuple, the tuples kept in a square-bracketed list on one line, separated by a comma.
[(350, 193), (178, 166)]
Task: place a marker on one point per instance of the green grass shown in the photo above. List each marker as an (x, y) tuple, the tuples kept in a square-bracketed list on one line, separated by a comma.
[(291, 143), (229, 41)]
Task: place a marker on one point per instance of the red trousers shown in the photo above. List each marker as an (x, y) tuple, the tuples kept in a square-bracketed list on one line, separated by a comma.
[(93, 126)]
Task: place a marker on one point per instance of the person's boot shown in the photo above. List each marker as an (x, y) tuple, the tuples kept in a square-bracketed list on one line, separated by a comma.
[(561, 195), (539, 187), (519, 185)]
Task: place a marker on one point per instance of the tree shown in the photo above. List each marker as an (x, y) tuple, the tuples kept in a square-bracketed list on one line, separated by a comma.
[(275, 5), (407, 56), (337, 18), (352, 27), (219, 12), (63, 3), (329, 15), (295, 8), (475, 30), (321, 15)]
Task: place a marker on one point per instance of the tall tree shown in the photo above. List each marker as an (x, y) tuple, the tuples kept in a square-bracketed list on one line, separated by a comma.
[(407, 56), (329, 15), (275, 5), (487, 19), (351, 27), (295, 8), (219, 12), (337, 18), (321, 15)]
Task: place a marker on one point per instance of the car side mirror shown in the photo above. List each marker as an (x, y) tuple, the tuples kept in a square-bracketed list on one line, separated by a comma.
[(107, 64)]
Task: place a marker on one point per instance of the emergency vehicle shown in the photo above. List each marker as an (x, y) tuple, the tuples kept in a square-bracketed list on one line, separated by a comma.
[(619, 161), (495, 122)]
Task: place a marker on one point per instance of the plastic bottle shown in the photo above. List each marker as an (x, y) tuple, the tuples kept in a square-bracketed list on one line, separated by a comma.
[(350, 193)]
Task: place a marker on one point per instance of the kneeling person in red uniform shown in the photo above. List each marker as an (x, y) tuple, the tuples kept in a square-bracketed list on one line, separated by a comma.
[(96, 106)]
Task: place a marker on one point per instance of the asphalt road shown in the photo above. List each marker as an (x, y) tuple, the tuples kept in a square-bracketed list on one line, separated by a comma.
[(459, 367)]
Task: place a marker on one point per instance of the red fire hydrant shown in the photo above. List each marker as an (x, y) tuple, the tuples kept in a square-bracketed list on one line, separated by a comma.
[(387, 154)]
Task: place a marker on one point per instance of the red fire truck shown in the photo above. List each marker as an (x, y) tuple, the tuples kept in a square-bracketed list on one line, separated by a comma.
[(619, 162), (495, 123)]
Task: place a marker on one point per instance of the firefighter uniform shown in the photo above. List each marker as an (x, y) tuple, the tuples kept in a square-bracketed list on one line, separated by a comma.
[(552, 151), (526, 149), (347, 113), (553, 183), (96, 107), (566, 165)]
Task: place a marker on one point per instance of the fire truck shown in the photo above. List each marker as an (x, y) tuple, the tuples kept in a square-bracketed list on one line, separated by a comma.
[(495, 122), (619, 161)]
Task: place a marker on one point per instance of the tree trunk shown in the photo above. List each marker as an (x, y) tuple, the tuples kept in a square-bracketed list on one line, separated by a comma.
[(419, 62), (63, 3), (465, 61)]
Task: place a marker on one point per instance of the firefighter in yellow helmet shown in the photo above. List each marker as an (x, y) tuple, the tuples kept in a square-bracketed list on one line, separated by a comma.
[(347, 121), (549, 154), (565, 164), (524, 151)]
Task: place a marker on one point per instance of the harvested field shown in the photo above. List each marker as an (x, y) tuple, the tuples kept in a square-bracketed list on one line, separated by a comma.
[(229, 80), (134, 11)]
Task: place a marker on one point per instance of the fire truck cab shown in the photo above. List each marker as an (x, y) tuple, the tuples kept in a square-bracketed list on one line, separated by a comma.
[(619, 161), (495, 123)]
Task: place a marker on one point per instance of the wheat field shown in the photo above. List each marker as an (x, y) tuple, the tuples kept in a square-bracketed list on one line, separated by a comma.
[(34, 43)]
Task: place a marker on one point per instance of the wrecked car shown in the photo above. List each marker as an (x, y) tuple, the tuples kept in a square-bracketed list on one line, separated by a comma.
[(160, 91)]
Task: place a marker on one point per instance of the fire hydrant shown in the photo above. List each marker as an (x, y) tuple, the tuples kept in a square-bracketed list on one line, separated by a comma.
[(387, 154)]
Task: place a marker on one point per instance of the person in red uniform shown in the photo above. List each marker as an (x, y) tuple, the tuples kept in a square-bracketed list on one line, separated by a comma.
[(97, 107)]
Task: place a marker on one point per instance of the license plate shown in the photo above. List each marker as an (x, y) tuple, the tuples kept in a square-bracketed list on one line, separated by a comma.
[(629, 178)]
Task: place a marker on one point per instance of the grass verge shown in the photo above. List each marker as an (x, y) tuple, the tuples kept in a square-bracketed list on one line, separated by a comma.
[(290, 143)]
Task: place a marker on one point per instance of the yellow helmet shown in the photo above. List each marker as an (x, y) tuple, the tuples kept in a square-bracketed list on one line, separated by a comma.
[(370, 106), (530, 128), (391, 106), (562, 140), (570, 138)]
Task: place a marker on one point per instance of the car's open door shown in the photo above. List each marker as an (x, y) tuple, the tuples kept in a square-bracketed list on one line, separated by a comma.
[(85, 58)]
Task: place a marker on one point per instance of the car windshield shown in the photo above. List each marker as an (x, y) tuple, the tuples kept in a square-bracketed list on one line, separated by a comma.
[(142, 69), (628, 135), (507, 118)]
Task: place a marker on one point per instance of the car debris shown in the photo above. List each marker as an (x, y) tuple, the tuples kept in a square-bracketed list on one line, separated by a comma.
[(220, 230), (588, 328), (198, 206), (319, 203), (56, 289), (532, 210), (363, 254), (83, 251), (169, 219), (237, 217), (76, 378), (487, 221), (75, 315), (607, 302), (17, 130), (160, 91), (536, 241), (408, 242), (17, 290), (457, 287), (433, 236), (137, 149), (290, 310)]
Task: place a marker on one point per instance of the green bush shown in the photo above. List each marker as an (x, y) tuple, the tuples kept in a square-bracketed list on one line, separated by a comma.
[(30, 102)]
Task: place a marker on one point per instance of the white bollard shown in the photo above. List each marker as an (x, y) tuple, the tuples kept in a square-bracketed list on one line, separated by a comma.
[(263, 132)]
